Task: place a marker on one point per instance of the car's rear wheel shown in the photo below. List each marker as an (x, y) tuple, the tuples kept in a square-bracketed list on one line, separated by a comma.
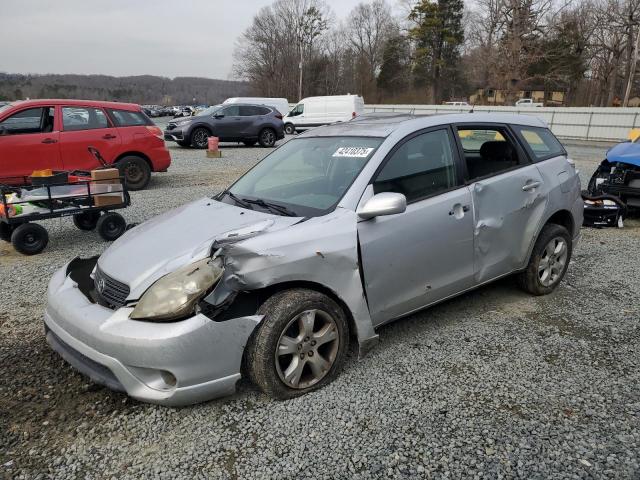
[(199, 138), (289, 129), (300, 345), (549, 261), (136, 172), (267, 137)]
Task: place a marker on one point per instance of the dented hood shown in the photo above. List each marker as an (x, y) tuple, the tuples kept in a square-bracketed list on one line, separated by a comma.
[(626, 152), (181, 236)]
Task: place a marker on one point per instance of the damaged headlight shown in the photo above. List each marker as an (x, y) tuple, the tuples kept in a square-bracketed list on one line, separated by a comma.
[(175, 295)]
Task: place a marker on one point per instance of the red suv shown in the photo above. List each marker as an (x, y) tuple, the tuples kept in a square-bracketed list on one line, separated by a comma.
[(55, 134)]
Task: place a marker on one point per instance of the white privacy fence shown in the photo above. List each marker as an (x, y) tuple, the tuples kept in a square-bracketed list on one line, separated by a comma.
[(582, 123)]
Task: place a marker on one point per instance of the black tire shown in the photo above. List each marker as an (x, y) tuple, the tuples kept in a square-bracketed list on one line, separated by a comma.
[(290, 129), (249, 143), (183, 143), (199, 137), (266, 369), (86, 221), (136, 172), (111, 225), (267, 137), (533, 279), (5, 231), (29, 238)]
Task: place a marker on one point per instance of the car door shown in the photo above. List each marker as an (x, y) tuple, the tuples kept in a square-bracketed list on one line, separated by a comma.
[(425, 254), (252, 120), (230, 125), (29, 141), (508, 194), (84, 127)]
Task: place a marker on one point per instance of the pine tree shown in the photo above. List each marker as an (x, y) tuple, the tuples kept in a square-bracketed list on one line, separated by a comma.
[(395, 70), (438, 35)]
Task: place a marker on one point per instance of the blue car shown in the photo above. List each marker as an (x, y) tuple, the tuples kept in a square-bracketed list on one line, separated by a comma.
[(619, 174)]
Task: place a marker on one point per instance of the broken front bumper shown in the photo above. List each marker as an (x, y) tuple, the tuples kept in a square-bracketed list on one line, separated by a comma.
[(173, 363)]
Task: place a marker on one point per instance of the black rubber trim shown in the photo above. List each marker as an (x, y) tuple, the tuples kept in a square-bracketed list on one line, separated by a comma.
[(94, 370)]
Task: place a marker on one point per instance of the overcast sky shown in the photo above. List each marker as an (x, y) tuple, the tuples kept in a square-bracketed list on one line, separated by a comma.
[(127, 37)]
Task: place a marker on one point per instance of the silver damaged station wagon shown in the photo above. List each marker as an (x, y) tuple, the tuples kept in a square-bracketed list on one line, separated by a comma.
[(338, 231)]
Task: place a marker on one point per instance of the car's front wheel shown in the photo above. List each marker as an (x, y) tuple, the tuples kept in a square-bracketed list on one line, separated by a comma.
[(289, 129), (549, 261), (300, 345), (200, 138)]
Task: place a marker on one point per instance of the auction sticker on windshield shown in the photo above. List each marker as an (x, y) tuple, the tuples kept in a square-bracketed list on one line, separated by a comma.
[(353, 152)]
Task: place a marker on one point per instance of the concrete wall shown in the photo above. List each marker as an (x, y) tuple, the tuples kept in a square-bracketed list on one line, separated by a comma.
[(587, 123)]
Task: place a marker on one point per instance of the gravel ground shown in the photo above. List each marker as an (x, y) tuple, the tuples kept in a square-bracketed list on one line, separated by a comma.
[(493, 384)]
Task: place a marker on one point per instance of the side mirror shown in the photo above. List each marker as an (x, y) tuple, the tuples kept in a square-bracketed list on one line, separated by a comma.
[(385, 203)]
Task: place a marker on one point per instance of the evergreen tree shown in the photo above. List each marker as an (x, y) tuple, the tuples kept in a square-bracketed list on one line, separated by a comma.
[(394, 73), (438, 35)]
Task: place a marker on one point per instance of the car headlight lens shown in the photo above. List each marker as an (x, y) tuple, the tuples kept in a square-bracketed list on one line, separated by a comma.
[(183, 123), (175, 295)]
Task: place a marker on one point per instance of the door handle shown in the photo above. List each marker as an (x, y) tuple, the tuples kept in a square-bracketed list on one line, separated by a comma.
[(530, 186), (108, 136), (459, 210), (49, 140)]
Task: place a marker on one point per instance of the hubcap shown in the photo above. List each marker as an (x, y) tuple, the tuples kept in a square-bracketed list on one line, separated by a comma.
[(307, 349), (134, 173), (200, 138), (553, 261), (268, 137)]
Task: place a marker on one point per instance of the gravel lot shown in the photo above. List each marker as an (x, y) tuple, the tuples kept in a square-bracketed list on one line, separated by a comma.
[(493, 384)]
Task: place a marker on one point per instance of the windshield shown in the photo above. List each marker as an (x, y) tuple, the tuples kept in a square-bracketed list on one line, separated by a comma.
[(308, 176), (209, 111)]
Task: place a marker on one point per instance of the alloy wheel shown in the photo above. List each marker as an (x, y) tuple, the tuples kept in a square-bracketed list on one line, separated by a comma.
[(553, 261), (200, 138), (268, 138), (307, 349)]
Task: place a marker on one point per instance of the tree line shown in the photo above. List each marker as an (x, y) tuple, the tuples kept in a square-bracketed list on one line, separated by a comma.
[(144, 89), (430, 51)]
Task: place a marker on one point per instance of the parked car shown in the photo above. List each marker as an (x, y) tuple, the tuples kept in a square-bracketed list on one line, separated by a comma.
[(528, 102), (230, 123), (55, 134), (187, 111), (280, 104), (337, 232), (316, 111)]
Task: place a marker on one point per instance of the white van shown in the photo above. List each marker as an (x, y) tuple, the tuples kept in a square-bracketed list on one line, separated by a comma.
[(280, 104), (316, 111)]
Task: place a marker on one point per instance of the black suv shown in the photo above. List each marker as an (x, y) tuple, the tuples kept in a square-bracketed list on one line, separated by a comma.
[(230, 123)]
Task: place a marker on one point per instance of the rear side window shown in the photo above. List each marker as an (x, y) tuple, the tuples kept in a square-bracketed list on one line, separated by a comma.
[(541, 143), (128, 118), (83, 118), (421, 167), (249, 111), (487, 151)]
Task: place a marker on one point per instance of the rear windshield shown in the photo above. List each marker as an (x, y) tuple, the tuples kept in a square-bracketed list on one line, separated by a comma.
[(128, 118)]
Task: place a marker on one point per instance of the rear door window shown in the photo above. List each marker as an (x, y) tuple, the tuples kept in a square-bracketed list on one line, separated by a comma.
[(487, 151), (83, 118), (249, 111), (540, 142), (129, 118)]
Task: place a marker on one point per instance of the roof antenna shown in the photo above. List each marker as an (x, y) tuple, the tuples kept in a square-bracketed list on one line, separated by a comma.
[(473, 105)]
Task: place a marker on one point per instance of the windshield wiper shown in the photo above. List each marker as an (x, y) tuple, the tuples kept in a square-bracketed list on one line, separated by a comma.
[(238, 200), (272, 206)]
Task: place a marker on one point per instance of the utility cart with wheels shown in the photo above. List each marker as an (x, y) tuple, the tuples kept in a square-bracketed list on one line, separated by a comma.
[(89, 198)]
